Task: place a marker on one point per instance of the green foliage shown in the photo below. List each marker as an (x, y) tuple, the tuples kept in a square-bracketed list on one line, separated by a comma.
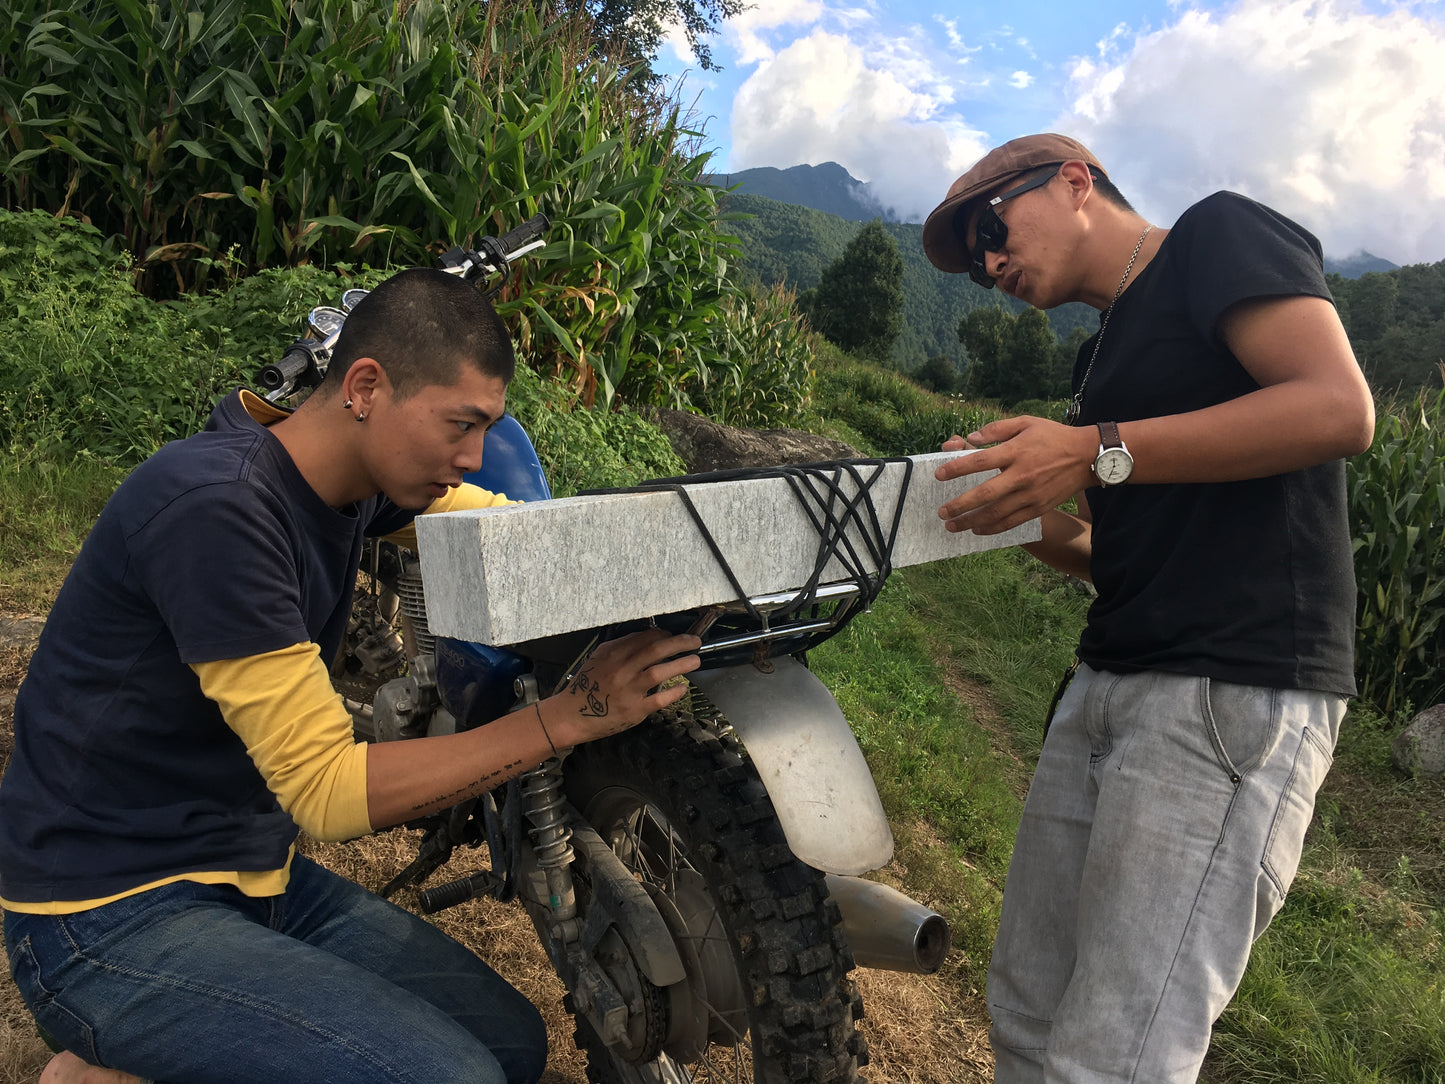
[(47, 507), (784, 243), (92, 368), (1015, 357), (1396, 323), (325, 131), (858, 303), (632, 30), (891, 414), (1344, 988), (938, 374), (1397, 509), (583, 448), (768, 381)]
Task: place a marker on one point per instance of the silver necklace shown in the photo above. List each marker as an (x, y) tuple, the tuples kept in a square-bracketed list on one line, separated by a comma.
[(1077, 403)]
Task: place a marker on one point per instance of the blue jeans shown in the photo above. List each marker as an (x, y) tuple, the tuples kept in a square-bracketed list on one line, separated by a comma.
[(1162, 829), (326, 982)]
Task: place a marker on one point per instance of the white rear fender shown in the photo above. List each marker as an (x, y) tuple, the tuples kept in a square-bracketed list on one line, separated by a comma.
[(807, 757)]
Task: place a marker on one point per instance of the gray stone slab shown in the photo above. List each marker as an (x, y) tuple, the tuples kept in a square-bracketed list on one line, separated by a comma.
[(503, 575)]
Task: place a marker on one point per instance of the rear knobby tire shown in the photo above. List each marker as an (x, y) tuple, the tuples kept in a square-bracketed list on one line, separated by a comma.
[(675, 780)]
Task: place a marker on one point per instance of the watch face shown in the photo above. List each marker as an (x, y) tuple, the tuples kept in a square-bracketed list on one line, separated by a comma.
[(1113, 466)]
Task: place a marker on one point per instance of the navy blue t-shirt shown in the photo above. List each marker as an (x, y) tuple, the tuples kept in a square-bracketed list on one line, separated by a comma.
[(123, 771), (1251, 581)]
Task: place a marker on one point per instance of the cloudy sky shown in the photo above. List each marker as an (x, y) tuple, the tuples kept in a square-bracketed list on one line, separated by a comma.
[(1332, 111)]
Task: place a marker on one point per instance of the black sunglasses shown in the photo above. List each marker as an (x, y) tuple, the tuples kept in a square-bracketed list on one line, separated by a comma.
[(991, 233)]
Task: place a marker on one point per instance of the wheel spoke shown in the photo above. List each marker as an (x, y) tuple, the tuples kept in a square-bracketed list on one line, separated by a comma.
[(684, 843)]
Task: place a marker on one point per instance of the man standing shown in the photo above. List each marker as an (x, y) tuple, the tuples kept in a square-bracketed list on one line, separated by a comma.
[(1205, 440), (178, 723)]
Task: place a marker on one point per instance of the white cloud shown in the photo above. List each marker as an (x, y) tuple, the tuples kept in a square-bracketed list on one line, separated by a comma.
[(1020, 80), (752, 29), (950, 28), (878, 111), (1331, 114)]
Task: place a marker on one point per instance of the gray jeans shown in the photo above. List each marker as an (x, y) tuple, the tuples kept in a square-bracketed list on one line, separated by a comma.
[(1162, 829)]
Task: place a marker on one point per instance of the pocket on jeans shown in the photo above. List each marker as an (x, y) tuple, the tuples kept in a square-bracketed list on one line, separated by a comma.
[(1312, 760), (68, 1029), (1244, 724)]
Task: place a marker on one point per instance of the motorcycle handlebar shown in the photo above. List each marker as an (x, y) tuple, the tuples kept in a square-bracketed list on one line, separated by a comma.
[(531, 230), (288, 370)]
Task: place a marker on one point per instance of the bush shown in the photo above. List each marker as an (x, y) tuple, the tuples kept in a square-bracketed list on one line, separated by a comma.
[(323, 131), (92, 368), (893, 415), (1397, 509), (769, 377), (588, 448)]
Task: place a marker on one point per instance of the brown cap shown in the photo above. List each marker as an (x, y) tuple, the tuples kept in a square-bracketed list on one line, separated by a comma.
[(942, 243)]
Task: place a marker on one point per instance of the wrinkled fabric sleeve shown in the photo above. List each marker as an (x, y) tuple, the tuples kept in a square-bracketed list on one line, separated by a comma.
[(464, 497), (219, 565), (298, 733), (1240, 250)]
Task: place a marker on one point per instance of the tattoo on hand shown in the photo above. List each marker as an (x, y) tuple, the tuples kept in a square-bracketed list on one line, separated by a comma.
[(596, 705)]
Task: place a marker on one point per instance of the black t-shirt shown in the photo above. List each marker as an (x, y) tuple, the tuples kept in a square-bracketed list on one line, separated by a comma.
[(1249, 582)]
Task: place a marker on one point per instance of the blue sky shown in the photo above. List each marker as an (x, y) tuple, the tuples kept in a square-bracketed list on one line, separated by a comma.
[(1332, 111)]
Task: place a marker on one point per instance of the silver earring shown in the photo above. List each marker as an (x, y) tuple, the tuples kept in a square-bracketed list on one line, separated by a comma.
[(346, 405), (361, 416)]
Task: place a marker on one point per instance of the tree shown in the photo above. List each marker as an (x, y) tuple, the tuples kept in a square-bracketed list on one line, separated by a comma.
[(938, 374), (1012, 358), (858, 303), (1064, 357), (631, 31)]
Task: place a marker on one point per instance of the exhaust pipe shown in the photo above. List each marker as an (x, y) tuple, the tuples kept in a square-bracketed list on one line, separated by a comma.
[(888, 931)]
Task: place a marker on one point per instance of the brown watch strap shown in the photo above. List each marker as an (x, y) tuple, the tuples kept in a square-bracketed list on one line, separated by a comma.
[(1109, 435)]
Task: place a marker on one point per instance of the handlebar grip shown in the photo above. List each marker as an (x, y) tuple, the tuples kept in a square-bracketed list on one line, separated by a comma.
[(529, 231), (288, 370)]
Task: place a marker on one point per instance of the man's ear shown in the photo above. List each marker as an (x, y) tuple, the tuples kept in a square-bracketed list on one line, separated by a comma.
[(364, 379), (1080, 181)]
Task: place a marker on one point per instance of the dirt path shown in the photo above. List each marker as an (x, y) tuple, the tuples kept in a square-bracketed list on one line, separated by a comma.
[(920, 1030)]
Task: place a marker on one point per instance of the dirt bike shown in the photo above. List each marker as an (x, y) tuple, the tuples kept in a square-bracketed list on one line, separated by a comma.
[(701, 915)]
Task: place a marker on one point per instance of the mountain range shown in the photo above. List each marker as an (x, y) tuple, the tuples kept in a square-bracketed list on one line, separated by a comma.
[(833, 190)]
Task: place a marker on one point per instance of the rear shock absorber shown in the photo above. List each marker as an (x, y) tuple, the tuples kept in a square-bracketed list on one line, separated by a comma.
[(542, 804)]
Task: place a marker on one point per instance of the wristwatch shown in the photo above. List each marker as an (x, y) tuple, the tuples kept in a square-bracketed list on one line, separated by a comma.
[(1113, 464)]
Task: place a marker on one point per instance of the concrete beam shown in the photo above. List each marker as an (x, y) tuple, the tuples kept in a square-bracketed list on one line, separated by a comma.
[(504, 575)]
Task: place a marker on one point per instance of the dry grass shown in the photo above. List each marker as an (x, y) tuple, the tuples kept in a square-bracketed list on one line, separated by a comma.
[(920, 1030)]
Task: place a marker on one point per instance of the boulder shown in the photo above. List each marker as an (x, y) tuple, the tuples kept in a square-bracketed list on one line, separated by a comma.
[(1419, 749), (707, 446), (19, 631)]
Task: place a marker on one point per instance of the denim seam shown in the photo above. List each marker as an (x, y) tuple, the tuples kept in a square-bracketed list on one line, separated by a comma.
[(1102, 712), (259, 1006), (1284, 795), (1183, 937), (51, 1000), (1206, 710)]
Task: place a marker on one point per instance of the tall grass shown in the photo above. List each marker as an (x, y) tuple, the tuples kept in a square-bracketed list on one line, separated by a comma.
[(1397, 510), (883, 412), (333, 132)]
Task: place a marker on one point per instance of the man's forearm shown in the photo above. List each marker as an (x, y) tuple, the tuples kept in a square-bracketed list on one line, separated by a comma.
[(408, 779), (1066, 543)]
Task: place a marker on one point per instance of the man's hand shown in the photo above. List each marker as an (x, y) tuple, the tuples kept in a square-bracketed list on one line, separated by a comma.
[(1041, 464), (617, 686)]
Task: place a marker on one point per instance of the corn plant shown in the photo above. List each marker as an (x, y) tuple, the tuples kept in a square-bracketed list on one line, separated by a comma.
[(768, 380), (1397, 508), (330, 131)]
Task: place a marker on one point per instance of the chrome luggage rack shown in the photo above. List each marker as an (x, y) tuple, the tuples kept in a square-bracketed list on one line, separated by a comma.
[(802, 624)]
